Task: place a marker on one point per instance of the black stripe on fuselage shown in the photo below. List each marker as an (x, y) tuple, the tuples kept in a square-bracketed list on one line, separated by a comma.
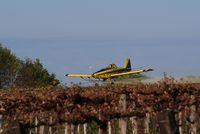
[(112, 70)]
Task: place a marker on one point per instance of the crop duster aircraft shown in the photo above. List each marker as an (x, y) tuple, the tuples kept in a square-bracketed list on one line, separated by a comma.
[(111, 71)]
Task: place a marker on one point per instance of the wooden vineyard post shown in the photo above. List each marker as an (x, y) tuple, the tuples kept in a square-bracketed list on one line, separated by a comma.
[(67, 128), (134, 125), (85, 128), (1, 129), (180, 122), (134, 121), (146, 123), (78, 129), (36, 123), (193, 115), (29, 131), (50, 127), (41, 129), (109, 127), (72, 129), (167, 122), (122, 107), (102, 130)]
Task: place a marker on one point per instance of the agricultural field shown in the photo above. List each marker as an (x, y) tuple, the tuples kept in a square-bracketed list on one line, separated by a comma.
[(99, 67), (162, 107)]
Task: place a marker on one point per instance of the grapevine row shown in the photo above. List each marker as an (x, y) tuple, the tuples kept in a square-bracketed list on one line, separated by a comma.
[(79, 105)]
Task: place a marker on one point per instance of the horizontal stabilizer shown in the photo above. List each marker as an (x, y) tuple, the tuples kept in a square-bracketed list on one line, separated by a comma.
[(150, 69)]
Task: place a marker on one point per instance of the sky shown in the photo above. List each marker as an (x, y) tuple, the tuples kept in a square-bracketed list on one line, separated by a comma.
[(71, 36), (99, 19)]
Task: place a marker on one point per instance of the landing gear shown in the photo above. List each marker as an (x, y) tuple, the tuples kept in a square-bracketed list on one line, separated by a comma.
[(111, 81)]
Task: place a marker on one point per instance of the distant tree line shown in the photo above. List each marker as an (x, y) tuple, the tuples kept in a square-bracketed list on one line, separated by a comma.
[(23, 73)]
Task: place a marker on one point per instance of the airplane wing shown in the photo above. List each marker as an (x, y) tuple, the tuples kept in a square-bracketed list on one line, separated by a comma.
[(131, 72), (79, 75)]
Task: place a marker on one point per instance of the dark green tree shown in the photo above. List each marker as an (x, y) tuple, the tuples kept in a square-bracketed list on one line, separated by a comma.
[(9, 67), (33, 74), (26, 73)]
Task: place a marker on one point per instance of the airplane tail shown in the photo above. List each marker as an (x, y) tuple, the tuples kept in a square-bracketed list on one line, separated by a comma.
[(127, 63)]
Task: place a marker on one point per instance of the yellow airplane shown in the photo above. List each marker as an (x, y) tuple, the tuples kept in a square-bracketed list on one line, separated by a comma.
[(111, 71)]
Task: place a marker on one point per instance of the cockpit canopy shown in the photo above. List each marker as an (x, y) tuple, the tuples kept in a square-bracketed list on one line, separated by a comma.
[(112, 66)]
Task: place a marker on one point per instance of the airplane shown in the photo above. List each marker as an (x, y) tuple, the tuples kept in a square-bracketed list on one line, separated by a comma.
[(112, 71)]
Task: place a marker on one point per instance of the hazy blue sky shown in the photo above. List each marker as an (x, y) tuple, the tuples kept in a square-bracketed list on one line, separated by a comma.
[(70, 35), (100, 18)]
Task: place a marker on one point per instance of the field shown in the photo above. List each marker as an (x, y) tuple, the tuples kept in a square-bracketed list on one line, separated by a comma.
[(167, 106)]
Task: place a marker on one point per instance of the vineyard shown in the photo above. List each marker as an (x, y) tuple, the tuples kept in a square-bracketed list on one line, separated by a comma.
[(164, 107)]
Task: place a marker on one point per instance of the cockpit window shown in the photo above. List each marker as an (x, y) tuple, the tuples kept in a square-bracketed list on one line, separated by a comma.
[(111, 66)]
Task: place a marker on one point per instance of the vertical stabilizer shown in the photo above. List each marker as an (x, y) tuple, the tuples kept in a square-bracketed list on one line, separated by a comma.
[(127, 63)]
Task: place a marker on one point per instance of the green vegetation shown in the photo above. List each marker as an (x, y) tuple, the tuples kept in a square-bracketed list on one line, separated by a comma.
[(9, 67), (33, 74), (23, 73)]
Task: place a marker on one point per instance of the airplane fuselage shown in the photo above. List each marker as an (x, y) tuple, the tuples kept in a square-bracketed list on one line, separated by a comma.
[(107, 72)]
